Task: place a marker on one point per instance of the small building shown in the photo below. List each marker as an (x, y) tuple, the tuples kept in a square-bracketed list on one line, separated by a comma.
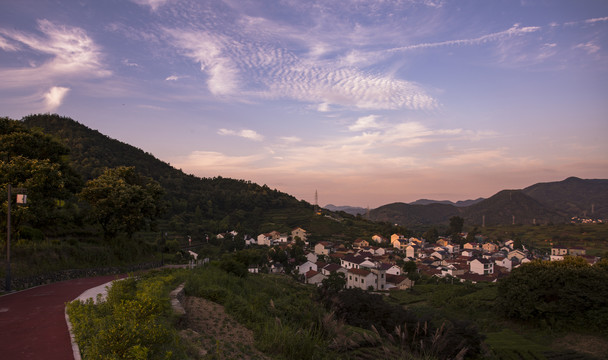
[(482, 266), (323, 248)]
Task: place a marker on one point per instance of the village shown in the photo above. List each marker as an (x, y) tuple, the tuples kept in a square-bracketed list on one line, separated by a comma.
[(380, 263)]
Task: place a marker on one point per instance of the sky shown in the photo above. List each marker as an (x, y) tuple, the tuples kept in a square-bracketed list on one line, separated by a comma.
[(366, 102)]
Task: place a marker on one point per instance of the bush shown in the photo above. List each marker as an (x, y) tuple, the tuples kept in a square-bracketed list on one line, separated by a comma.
[(131, 324)]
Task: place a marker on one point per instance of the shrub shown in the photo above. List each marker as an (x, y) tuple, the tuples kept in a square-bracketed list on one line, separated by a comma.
[(131, 324)]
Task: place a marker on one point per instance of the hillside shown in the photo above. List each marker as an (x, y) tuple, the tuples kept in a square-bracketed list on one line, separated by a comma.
[(353, 210), (511, 206), (542, 203), (408, 215), (460, 203), (199, 206), (216, 204), (573, 196)]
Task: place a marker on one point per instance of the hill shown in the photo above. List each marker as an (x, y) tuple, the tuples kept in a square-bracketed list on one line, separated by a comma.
[(573, 196), (409, 215), (460, 203), (511, 206), (542, 203), (199, 206), (353, 210), (216, 204)]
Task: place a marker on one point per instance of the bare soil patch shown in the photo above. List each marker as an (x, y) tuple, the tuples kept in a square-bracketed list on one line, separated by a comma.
[(594, 346), (213, 334)]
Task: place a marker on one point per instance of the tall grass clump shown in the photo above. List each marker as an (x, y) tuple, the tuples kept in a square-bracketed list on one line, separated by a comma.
[(133, 323)]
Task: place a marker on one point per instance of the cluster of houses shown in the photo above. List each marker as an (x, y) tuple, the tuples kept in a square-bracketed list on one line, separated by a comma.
[(375, 267)]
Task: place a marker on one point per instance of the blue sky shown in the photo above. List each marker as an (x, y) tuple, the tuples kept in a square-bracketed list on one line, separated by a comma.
[(367, 102)]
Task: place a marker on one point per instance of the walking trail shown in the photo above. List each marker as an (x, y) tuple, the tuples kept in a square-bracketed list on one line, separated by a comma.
[(32, 321)]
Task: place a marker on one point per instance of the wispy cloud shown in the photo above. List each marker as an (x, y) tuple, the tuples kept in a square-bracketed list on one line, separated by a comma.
[(589, 47), (73, 54), (54, 97), (247, 134), (6, 45), (514, 30), (364, 123), (258, 69), (152, 4)]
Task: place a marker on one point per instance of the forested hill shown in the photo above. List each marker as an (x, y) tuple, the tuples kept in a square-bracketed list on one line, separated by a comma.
[(207, 204)]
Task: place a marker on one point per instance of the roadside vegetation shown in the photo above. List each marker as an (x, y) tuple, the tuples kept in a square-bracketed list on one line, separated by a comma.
[(134, 322)]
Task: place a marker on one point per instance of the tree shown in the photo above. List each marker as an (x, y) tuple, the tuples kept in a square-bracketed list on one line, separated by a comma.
[(332, 284), (122, 200), (431, 235), (38, 162), (456, 224)]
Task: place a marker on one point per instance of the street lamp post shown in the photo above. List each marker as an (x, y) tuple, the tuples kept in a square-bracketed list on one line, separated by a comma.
[(20, 200), (7, 284)]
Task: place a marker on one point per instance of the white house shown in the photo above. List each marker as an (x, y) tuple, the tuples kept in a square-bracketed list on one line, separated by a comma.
[(300, 233), (482, 266), (323, 248), (504, 262), (379, 239), (264, 239), (306, 267), (394, 270), (314, 277), (312, 257), (364, 279)]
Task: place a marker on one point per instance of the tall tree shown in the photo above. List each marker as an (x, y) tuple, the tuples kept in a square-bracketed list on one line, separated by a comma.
[(122, 200), (38, 162), (456, 224)]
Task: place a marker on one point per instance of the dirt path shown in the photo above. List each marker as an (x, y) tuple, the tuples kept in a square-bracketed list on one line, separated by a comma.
[(215, 333), (32, 322)]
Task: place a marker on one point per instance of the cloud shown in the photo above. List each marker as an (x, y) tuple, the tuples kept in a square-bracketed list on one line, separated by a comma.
[(363, 123), (247, 134), (236, 65), (594, 20), (73, 54), (153, 4), (127, 62), (6, 45), (589, 47), (54, 97), (514, 30)]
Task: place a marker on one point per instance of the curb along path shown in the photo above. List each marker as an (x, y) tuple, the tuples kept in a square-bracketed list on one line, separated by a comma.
[(32, 321)]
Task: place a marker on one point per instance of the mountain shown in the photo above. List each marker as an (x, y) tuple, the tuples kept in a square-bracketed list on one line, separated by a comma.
[(347, 209), (213, 204), (460, 203), (511, 206), (541, 203), (573, 196), (407, 214), (200, 206)]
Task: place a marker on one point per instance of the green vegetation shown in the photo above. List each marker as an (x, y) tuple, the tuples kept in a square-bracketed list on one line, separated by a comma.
[(593, 237), (121, 200), (133, 323), (559, 294)]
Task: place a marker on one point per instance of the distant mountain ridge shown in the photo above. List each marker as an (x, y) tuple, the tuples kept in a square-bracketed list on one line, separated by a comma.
[(551, 202), (353, 210), (459, 203)]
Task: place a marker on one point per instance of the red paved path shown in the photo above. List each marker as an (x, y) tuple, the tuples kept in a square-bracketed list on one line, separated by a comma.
[(32, 322)]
